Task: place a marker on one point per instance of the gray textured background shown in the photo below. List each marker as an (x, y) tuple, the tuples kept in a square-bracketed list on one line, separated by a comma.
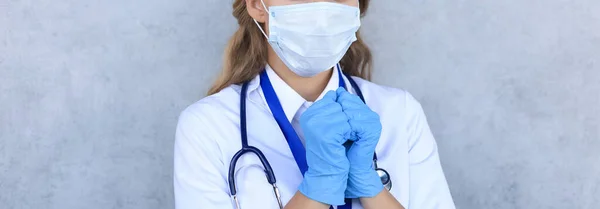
[(90, 92)]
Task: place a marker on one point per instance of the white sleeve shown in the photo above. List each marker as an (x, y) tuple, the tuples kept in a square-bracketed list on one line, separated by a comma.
[(200, 179), (428, 186)]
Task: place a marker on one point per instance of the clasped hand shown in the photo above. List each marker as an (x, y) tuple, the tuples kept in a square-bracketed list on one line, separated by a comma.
[(336, 171)]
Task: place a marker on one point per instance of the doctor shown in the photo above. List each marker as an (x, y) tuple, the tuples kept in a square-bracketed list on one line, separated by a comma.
[(290, 103)]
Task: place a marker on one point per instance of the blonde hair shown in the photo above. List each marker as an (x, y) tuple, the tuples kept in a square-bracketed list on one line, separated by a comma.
[(246, 52)]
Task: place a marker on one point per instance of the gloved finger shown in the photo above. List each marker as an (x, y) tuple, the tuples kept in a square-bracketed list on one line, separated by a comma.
[(335, 117), (360, 117), (335, 123), (365, 144), (361, 152), (351, 104), (329, 120), (335, 154), (323, 107), (364, 125), (348, 100), (328, 98)]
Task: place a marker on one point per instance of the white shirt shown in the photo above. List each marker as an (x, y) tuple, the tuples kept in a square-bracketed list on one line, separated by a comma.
[(208, 135)]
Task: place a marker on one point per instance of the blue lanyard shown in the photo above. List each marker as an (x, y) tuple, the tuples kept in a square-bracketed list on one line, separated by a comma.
[(296, 146)]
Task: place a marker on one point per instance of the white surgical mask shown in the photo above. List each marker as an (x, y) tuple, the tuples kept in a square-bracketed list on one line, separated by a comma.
[(311, 37)]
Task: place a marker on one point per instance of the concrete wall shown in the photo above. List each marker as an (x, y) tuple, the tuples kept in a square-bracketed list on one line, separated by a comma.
[(90, 92)]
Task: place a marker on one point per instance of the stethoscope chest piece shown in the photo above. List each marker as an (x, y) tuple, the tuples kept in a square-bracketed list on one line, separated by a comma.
[(385, 178)]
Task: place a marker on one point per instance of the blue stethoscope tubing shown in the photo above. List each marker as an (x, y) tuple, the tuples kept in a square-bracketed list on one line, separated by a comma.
[(246, 148)]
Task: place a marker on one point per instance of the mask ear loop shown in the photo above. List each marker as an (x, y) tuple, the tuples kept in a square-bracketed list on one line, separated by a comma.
[(257, 24)]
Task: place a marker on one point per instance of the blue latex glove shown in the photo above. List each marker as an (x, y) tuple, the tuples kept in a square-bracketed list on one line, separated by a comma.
[(325, 128), (363, 180)]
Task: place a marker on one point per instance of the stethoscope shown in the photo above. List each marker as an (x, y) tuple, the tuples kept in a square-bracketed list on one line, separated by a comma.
[(383, 174)]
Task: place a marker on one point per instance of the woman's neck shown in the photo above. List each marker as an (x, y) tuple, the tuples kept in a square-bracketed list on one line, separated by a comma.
[(309, 88)]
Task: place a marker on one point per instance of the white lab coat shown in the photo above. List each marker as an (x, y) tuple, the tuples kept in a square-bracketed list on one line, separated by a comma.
[(208, 135)]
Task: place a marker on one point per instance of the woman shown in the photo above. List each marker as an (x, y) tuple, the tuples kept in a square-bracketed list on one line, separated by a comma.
[(282, 80)]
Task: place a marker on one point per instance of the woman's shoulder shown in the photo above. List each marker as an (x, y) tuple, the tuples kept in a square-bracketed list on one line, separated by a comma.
[(214, 108)]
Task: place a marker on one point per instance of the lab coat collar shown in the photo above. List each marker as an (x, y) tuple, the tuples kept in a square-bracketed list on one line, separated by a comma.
[(290, 100)]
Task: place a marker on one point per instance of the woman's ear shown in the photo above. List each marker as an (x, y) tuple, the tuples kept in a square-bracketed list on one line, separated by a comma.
[(256, 10)]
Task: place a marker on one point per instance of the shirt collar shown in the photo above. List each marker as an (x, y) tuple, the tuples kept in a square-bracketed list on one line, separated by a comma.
[(290, 100)]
